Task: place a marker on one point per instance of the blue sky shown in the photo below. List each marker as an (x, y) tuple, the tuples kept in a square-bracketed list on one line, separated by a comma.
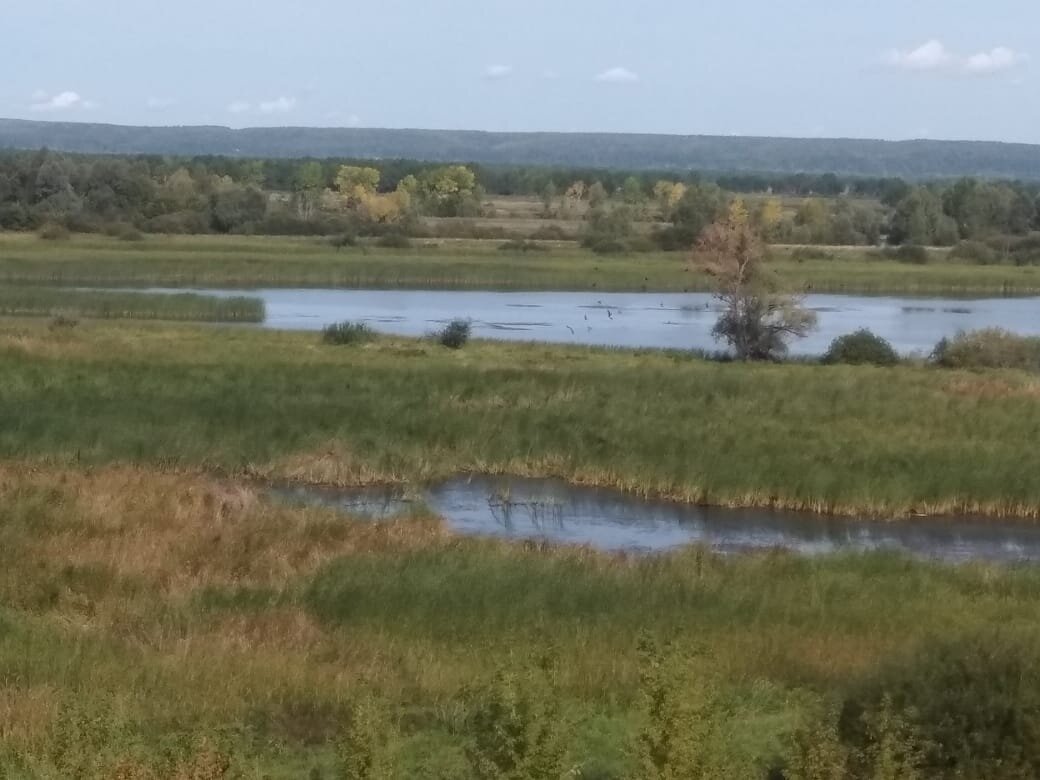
[(851, 68)]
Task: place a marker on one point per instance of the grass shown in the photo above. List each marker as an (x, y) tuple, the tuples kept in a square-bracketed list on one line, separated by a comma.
[(146, 610), (239, 261), (844, 439), (21, 301)]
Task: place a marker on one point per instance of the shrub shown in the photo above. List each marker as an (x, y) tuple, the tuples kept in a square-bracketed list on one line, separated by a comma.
[(551, 233), (988, 348), (916, 255), (343, 241), (340, 333), (124, 231), (803, 253), (859, 348), (522, 246), (63, 323), (975, 252), (54, 232), (394, 241), (606, 246), (455, 334), (967, 706)]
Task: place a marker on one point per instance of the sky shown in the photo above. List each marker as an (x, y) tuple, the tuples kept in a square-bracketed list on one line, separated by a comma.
[(959, 69)]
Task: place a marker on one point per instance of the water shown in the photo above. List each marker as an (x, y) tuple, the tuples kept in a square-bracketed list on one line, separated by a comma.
[(672, 320), (518, 508)]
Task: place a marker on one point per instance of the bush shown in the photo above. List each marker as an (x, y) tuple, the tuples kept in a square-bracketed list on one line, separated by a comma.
[(123, 231), (988, 348), (971, 705), (54, 232), (916, 255), (455, 334), (606, 246), (861, 348), (343, 241), (340, 333), (975, 252), (394, 241), (521, 246), (803, 253), (552, 233)]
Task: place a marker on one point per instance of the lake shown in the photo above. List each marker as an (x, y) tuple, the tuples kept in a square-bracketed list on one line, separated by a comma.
[(662, 320)]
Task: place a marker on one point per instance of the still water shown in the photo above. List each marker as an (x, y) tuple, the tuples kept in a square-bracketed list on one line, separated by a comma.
[(518, 508), (663, 320)]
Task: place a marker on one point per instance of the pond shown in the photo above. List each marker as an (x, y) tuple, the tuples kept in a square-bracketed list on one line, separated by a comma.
[(555, 511), (672, 321)]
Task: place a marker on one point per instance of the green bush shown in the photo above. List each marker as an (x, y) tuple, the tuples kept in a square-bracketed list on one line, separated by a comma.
[(54, 232), (455, 334), (394, 241), (340, 333), (975, 252), (343, 240), (989, 348), (522, 246), (916, 255), (965, 707), (859, 348)]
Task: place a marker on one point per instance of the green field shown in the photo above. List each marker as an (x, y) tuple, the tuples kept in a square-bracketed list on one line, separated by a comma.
[(833, 438), (210, 261)]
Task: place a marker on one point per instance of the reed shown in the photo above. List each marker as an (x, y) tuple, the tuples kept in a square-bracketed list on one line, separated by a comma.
[(19, 301)]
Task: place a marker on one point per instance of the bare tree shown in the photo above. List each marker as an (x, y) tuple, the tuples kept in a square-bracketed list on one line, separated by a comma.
[(758, 316)]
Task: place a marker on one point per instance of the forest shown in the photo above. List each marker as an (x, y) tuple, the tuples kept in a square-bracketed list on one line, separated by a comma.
[(609, 211), (917, 159)]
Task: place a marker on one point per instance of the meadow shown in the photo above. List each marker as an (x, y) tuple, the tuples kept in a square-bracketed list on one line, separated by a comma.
[(244, 261), (844, 439), (162, 616), (160, 623)]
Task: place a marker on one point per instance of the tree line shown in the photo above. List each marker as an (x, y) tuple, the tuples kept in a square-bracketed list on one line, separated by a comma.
[(282, 196)]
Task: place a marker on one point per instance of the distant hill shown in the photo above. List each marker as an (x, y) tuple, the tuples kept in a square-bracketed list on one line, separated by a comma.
[(908, 159)]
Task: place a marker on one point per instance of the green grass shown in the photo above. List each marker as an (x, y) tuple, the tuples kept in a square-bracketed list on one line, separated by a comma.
[(19, 301), (238, 261), (144, 610), (272, 404)]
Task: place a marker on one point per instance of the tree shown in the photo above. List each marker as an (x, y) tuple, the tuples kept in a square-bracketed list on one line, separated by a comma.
[(548, 198), (919, 219), (355, 182), (307, 187), (699, 206), (667, 194), (758, 317), (597, 195)]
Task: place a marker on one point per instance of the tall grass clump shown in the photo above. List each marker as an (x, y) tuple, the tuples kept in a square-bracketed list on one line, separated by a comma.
[(106, 304), (861, 348), (347, 333), (989, 348), (455, 334)]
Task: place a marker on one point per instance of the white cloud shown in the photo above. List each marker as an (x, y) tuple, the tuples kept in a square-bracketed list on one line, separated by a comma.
[(159, 103), (62, 101), (496, 72), (934, 57), (239, 107), (996, 61), (618, 75), (279, 105)]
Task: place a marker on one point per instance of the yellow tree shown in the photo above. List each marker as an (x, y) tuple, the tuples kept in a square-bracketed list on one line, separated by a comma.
[(355, 183), (758, 316)]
